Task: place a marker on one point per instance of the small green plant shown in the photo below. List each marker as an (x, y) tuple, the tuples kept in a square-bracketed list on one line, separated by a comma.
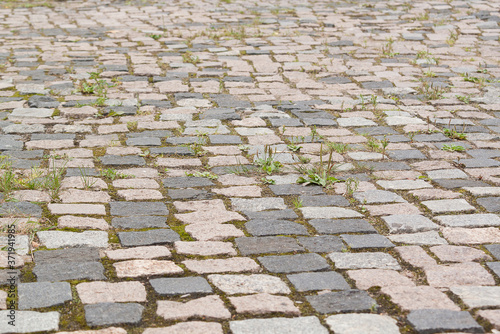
[(244, 148), (112, 174), (207, 175), (87, 180), (464, 98), (384, 143), (453, 148), (155, 36), (293, 147), (53, 180), (266, 180), (373, 144), (297, 203), (321, 175), (315, 135), (430, 91), (340, 148), (268, 162), (388, 49), (352, 185), (188, 57), (454, 134)]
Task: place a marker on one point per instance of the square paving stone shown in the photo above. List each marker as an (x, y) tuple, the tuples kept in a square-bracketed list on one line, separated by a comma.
[(61, 271), (338, 226), (180, 286), (294, 263), (43, 294), (139, 222), (329, 280), (113, 313), (324, 200), (186, 182), (494, 249), (151, 237), (263, 245), (366, 241), (274, 227), (295, 189), (322, 243), (342, 301), (138, 209), (436, 321)]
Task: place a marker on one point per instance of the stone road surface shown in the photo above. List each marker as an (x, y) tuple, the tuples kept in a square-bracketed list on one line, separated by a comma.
[(151, 152)]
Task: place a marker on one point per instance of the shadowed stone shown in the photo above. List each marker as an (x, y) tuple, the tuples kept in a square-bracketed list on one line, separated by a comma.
[(113, 314)]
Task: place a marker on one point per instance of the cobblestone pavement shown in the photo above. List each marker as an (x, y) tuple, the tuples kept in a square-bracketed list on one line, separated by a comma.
[(151, 152)]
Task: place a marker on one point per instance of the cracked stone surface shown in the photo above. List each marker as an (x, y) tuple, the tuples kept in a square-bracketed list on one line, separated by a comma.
[(150, 153)]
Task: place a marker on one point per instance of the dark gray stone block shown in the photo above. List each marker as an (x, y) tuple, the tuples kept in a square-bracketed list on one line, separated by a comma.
[(294, 263), (295, 189), (62, 271), (186, 182), (139, 222), (196, 194), (43, 294), (20, 208), (492, 204), (144, 141), (182, 140), (433, 137), (383, 166), (342, 301), (39, 101), (322, 243), (319, 121), (180, 286), (324, 200), (224, 139), (478, 163), (172, 150), (495, 267), (338, 226), (288, 122), (494, 249), (151, 237), (274, 214), (329, 280), (138, 209), (377, 84), (429, 321), (10, 143), (77, 254), (406, 154), (113, 313), (274, 227), (366, 241), (262, 245), (117, 160)]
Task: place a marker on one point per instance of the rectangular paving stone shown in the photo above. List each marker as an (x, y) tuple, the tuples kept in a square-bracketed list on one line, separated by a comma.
[(342, 301), (61, 271), (263, 245), (295, 189), (419, 238), (362, 323), (329, 280), (150, 237), (138, 209), (494, 249), (375, 260), (211, 307), (60, 239), (274, 227), (77, 209), (186, 182), (478, 296), (294, 263), (409, 223), (300, 325), (436, 321), (139, 222), (474, 220), (448, 205), (113, 314), (328, 212), (468, 273), (43, 294), (180, 286), (324, 200), (322, 243), (117, 160), (30, 321), (366, 241), (247, 284), (492, 204), (338, 226), (76, 254), (274, 214), (257, 204)]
